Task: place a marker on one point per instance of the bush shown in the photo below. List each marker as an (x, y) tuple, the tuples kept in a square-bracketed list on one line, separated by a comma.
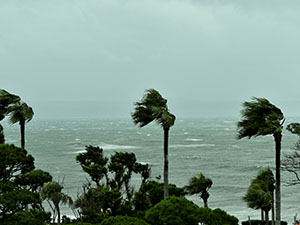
[(122, 220), (151, 193), (28, 217), (259, 222), (216, 217), (173, 211)]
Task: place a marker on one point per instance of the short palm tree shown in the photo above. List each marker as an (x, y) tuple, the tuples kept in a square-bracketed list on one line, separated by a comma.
[(22, 113), (260, 193), (51, 191), (199, 184), (260, 118), (153, 107)]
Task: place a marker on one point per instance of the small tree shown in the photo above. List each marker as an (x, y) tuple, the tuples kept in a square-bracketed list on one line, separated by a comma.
[(291, 162), (199, 184), (51, 192), (19, 185)]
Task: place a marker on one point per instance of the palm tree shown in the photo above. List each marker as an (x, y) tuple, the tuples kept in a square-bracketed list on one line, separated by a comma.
[(22, 113), (260, 193), (154, 107), (199, 184), (260, 118), (51, 192), (6, 100)]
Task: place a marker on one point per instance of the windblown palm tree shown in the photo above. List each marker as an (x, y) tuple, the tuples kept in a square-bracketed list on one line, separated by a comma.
[(199, 184), (260, 194), (153, 107), (6, 100), (21, 113), (51, 192), (260, 118)]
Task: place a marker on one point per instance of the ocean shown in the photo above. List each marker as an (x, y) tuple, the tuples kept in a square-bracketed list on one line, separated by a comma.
[(203, 145)]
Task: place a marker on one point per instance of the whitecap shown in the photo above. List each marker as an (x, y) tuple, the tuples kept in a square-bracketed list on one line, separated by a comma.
[(81, 151), (236, 146), (46, 130), (148, 135), (192, 145), (185, 133), (194, 139), (106, 146), (61, 129)]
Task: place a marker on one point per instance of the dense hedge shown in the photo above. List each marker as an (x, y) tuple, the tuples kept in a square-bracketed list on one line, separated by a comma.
[(259, 222), (122, 220)]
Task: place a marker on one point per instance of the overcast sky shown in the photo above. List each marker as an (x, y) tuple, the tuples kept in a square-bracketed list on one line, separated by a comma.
[(95, 58)]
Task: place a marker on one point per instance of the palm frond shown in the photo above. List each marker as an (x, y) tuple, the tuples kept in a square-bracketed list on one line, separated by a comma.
[(152, 107), (259, 117)]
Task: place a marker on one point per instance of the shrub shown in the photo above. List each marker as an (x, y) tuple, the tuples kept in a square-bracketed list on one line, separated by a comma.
[(216, 217), (122, 220), (173, 211)]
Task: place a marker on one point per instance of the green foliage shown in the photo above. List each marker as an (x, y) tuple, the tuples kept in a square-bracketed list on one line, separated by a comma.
[(151, 193), (153, 107), (32, 217), (259, 222), (6, 100), (122, 220), (2, 138), (199, 184), (52, 192), (93, 163), (107, 198), (20, 112), (19, 184), (259, 117), (173, 211), (259, 194), (216, 217)]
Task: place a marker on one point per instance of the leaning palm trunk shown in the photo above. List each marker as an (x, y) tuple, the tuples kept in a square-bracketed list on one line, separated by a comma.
[(22, 128), (166, 163), (277, 137)]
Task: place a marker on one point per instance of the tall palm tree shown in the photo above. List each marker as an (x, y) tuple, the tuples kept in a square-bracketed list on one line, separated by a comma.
[(153, 107), (260, 118), (199, 184), (22, 113)]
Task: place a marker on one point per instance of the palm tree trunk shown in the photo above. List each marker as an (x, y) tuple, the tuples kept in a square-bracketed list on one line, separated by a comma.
[(267, 217), (273, 214), (277, 138), (22, 127), (166, 163), (58, 214)]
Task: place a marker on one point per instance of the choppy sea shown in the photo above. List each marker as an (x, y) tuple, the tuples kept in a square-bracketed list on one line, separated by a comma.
[(208, 146)]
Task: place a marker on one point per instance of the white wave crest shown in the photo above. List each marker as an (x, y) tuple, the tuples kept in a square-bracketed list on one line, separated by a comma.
[(192, 146), (106, 146), (194, 139)]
